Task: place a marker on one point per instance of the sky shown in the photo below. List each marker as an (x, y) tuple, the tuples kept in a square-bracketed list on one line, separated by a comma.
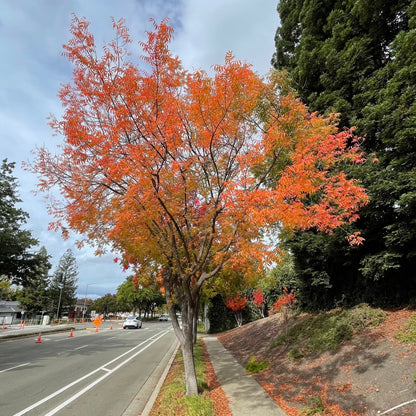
[(32, 69)]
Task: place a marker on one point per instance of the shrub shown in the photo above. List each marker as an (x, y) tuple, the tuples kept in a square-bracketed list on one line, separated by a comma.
[(254, 366)]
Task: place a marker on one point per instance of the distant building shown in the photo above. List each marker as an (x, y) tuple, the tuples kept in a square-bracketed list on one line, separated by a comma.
[(81, 307), (9, 312)]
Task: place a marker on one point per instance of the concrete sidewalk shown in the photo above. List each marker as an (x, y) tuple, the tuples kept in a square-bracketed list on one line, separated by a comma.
[(246, 396)]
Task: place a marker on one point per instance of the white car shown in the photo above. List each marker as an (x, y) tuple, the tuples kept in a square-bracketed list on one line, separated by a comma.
[(132, 322), (163, 317)]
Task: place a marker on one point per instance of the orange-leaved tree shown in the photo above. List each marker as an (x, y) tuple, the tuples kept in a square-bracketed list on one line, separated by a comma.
[(258, 300), (285, 304), (237, 305), (184, 173)]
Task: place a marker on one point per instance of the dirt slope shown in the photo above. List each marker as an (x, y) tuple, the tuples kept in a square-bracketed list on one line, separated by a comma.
[(368, 375)]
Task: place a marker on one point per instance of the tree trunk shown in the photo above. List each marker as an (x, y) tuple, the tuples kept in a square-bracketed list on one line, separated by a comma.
[(189, 364), (186, 332), (185, 336), (195, 322)]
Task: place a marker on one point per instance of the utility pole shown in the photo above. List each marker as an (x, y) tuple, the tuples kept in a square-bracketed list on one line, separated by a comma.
[(60, 297)]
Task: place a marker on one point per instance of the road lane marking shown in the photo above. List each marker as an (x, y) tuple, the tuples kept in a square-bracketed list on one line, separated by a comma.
[(94, 383), (78, 348), (12, 368), (155, 337)]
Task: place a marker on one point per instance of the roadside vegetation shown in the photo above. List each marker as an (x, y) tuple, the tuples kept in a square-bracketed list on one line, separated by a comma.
[(172, 399), (408, 332), (255, 366), (325, 331)]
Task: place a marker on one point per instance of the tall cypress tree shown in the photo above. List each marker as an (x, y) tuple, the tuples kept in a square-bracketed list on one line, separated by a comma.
[(357, 58), (64, 285), (389, 119)]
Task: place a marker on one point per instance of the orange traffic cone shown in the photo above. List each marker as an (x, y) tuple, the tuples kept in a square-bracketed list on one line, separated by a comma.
[(111, 327), (71, 335), (4, 326), (38, 341), (96, 329)]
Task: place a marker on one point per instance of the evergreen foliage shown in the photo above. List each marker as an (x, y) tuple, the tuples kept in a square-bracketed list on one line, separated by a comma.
[(220, 317), (18, 259), (64, 284), (34, 296), (358, 59)]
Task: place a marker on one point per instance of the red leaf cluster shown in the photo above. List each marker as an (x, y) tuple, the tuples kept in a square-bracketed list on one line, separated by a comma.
[(288, 300), (258, 298), (236, 304)]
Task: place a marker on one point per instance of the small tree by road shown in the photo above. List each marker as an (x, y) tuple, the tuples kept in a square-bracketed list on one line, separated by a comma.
[(184, 173), (237, 305)]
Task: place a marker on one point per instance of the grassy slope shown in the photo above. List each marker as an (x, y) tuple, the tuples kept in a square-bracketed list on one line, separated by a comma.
[(349, 359)]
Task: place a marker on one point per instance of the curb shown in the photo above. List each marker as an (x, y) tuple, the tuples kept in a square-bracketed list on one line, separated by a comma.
[(132, 408), (34, 333)]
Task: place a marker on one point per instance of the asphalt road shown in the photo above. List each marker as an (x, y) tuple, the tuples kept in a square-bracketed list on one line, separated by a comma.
[(92, 373)]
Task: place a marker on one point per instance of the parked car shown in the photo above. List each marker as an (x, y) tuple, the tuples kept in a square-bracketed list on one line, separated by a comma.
[(163, 317), (132, 322)]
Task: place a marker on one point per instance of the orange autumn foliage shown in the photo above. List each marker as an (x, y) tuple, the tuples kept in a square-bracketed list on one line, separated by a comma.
[(176, 166), (285, 302), (237, 303), (188, 172)]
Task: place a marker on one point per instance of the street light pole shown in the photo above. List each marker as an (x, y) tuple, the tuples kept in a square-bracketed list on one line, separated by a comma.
[(60, 296), (85, 299)]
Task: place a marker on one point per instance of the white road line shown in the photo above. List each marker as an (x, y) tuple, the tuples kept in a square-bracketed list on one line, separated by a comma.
[(78, 348), (155, 337), (12, 368), (398, 406), (87, 388)]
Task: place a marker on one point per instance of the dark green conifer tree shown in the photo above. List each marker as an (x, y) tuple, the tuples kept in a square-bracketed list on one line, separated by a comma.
[(63, 285), (358, 58), (18, 258)]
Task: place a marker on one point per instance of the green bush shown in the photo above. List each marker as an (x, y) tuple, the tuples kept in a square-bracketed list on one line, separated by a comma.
[(254, 366)]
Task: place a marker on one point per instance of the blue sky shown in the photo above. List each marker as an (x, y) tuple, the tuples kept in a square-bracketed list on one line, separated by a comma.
[(32, 69)]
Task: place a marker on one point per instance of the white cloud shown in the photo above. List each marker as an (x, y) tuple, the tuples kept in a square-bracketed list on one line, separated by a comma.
[(32, 68), (210, 29)]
